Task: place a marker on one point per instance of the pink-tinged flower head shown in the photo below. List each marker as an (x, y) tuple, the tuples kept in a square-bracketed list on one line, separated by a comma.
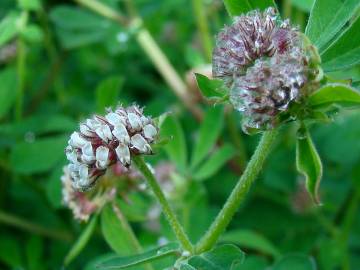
[(105, 140), (265, 64), (251, 36)]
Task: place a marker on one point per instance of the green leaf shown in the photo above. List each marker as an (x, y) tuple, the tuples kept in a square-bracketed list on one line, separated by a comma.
[(176, 148), (210, 130), (81, 241), (32, 5), (136, 206), (327, 18), (8, 28), (34, 252), (146, 257), (225, 257), (49, 124), (108, 92), (238, 7), (10, 251), (304, 5), (309, 164), (32, 33), (251, 240), (7, 90), (215, 162), (114, 230), (345, 51), (295, 262), (210, 88), (331, 94), (80, 28), (53, 187), (38, 156)]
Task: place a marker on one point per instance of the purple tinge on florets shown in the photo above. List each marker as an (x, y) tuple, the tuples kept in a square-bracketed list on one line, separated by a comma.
[(263, 62), (103, 141)]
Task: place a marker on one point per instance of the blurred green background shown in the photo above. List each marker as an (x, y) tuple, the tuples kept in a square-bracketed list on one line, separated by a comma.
[(61, 62)]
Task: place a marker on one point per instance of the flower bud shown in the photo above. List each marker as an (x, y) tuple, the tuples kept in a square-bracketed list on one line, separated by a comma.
[(103, 141)]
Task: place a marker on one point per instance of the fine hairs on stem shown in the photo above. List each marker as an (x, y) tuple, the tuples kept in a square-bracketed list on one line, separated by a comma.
[(239, 192), (169, 214)]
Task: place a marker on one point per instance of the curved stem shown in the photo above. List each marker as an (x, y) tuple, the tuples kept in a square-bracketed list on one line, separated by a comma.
[(169, 214), (238, 194)]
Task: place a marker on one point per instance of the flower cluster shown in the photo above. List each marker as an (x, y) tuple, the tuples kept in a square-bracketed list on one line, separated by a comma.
[(103, 141), (264, 62)]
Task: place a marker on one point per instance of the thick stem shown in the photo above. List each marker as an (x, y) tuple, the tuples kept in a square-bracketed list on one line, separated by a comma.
[(169, 214), (238, 194)]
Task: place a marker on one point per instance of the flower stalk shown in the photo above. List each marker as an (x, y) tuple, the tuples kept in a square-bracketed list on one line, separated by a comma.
[(169, 214), (239, 192)]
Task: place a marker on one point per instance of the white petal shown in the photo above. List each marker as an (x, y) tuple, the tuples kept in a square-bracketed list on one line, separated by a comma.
[(71, 156), (123, 154), (87, 149), (140, 144), (102, 157), (104, 133), (114, 119), (76, 140), (120, 133), (150, 132), (135, 121), (84, 129), (87, 159), (93, 124), (145, 120), (83, 171)]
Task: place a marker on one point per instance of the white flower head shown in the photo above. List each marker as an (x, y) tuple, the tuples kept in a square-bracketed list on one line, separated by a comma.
[(104, 141)]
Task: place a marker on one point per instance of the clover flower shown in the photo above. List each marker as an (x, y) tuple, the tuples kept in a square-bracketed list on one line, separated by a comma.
[(82, 204), (105, 140), (266, 65)]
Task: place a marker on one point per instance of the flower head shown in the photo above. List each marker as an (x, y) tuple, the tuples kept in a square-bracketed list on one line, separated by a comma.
[(105, 140), (264, 62)]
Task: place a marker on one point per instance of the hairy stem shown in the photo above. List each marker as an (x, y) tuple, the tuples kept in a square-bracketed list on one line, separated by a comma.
[(200, 16), (238, 194), (169, 214)]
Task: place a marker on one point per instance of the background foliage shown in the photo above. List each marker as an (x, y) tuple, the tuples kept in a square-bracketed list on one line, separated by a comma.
[(68, 62)]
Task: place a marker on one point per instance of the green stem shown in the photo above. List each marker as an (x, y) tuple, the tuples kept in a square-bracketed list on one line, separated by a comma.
[(200, 16), (130, 233), (238, 194), (20, 223), (103, 10), (169, 214)]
